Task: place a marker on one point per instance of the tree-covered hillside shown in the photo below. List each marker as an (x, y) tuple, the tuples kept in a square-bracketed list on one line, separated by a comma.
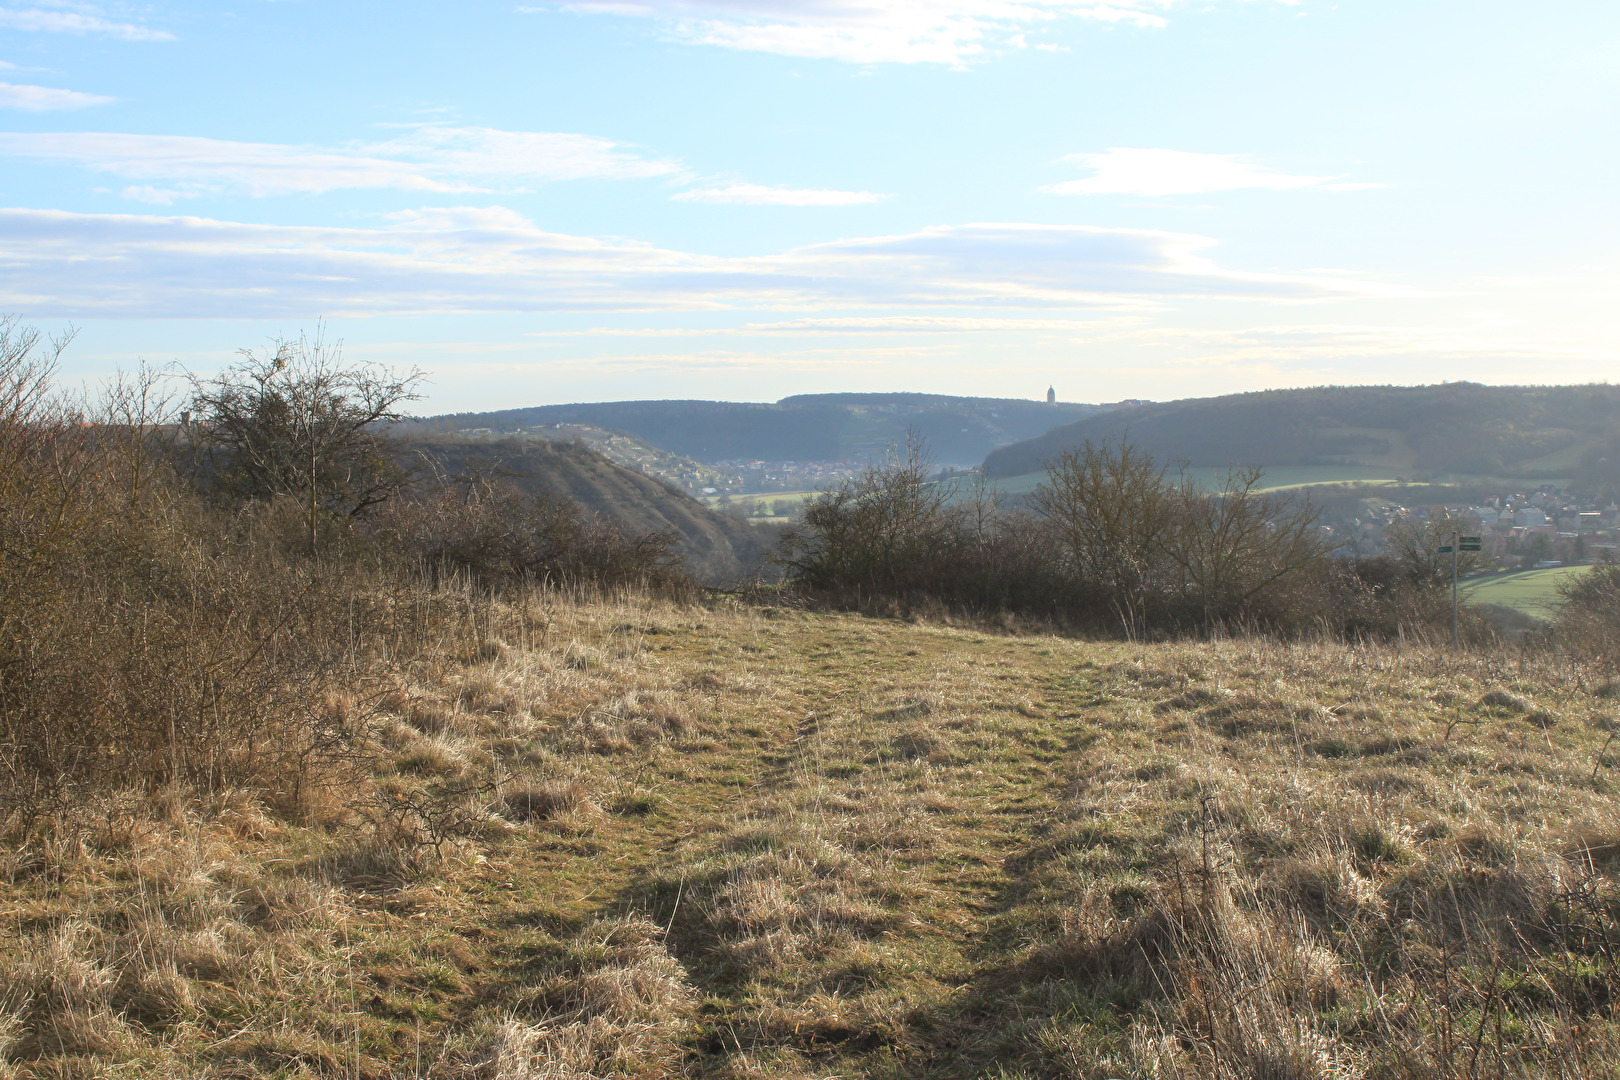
[(817, 427), (1522, 431)]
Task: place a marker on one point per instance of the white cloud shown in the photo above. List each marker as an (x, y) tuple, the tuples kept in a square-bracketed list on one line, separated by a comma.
[(156, 196), (871, 324), (871, 31), (440, 159), (762, 195), (45, 99), (1326, 343), (912, 324), (1127, 171), (77, 22), (489, 155), (203, 165), (55, 263)]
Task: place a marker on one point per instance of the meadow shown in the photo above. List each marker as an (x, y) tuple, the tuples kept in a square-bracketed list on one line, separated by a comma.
[(624, 837), (1532, 592), (1282, 478), (767, 499)]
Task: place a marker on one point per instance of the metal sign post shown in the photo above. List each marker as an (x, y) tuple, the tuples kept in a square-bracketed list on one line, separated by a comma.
[(1458, 544), (1452, 547)]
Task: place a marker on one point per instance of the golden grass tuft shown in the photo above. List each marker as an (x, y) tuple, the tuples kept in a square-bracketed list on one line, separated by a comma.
[(544, 801), (622, 1020)]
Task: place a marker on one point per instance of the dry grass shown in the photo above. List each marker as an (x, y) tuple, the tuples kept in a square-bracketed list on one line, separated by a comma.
[(625, 838), (619, 1017)]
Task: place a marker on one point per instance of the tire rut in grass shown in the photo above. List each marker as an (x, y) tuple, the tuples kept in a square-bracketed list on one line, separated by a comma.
[(558, 909), (833, 922)]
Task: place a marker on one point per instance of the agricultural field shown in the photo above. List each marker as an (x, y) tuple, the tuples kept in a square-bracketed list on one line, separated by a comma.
[(1532, 592), (725, 841), (1275, 479), (1327, 480), (768, 499)]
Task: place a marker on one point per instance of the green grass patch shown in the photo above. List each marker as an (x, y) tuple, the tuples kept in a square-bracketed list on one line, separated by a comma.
[(1533, 592)]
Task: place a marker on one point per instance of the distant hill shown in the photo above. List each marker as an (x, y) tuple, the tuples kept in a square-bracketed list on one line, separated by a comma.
[(720, 549), (1528, 432), (812, 427)]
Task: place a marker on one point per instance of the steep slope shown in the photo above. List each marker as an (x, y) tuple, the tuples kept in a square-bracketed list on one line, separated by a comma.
[(821, 427), (1527, 431), (720, 549)]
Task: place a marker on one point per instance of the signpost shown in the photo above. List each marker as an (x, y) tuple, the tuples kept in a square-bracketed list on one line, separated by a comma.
[(1458, 543)]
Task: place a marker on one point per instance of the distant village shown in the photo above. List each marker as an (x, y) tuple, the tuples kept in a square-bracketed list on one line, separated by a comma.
[(1543, 527)]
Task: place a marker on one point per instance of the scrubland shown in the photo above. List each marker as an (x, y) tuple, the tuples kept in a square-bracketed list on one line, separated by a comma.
[(313, 768), (626, 837)]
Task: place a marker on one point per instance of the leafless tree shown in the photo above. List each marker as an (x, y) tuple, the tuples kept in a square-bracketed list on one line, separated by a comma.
[(1113, 511), (874, 531), (1236, 543), (297, 421), (1415, 546)]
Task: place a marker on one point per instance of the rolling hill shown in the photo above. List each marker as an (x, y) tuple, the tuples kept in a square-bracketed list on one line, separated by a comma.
[(1521, 432), (719, 549), (812, 427)]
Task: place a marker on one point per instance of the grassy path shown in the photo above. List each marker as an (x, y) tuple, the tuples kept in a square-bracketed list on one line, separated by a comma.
[(778, 844), (828, 845)]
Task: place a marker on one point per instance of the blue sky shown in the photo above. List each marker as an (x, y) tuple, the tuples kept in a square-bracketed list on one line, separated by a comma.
[(742, 199)]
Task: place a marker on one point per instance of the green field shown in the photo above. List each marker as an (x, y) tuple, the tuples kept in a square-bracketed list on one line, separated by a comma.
[(1533, 592), (756, 497), (766, 498), (1276, 478)]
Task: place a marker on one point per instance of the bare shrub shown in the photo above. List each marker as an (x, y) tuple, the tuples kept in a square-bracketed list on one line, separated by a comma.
[(888, 537), (1110, 541), (300, 423), (153, 640), (503, 538), (1588, 622)]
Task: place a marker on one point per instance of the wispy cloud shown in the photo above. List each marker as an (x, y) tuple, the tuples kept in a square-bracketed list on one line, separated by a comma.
[(81, 21), (762, 195), (1127, 171), (46, 99), (428, 158), (845, 325), (492, 259), (489, 155), (869, 31), (1325, 343)]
